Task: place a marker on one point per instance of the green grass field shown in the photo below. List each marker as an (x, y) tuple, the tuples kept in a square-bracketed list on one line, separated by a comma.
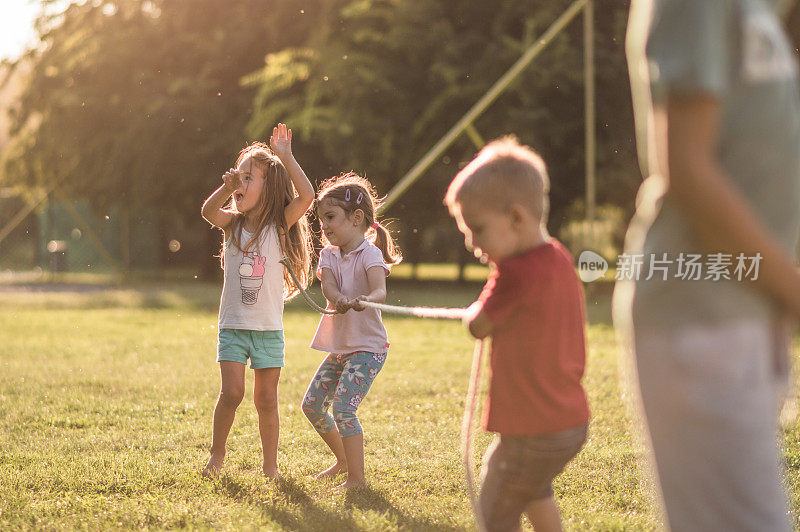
[(105, 418)]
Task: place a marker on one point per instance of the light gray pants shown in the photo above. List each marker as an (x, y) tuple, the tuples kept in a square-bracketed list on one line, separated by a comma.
[(710, 397)]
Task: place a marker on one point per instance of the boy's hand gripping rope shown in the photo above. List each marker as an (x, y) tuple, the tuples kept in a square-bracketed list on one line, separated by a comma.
[(472, 390)]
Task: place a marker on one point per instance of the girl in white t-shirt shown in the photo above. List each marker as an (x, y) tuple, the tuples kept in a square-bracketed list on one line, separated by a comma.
[(265, 221), (352, 269)]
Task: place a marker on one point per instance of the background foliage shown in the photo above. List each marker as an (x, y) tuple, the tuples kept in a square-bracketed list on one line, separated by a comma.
[(144, 103)]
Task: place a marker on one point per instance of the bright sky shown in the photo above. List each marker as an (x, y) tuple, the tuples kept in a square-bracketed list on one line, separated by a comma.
[(16, 26)]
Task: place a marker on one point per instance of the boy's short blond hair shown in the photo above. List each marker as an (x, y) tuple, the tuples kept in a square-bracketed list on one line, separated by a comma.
[(502, 174)]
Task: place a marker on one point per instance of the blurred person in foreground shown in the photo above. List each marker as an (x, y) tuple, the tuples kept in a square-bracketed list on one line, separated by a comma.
[(705, 306)]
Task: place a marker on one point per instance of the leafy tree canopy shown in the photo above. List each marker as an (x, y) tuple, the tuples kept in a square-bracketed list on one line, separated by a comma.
[(146, 102), (385, 79)]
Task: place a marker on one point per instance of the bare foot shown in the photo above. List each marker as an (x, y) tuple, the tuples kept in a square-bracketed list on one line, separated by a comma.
[(271, 473), (334, 470), (353, 484), (213, 467)]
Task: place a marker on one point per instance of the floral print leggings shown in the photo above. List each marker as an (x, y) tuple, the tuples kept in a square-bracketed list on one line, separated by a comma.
[(341, 382)]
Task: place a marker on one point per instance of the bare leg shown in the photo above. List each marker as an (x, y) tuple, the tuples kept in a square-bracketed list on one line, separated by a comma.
[(544, 515), (230, 396), (265, 396), (334, 441), (354, 453)]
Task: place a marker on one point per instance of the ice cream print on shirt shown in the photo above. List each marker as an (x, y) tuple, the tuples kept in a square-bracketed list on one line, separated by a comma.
[(251, 275)]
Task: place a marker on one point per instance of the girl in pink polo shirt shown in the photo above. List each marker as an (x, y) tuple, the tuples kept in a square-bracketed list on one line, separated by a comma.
[(352, 268)]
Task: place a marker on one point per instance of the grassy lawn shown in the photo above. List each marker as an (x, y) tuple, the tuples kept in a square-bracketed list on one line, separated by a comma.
[(105, 418)]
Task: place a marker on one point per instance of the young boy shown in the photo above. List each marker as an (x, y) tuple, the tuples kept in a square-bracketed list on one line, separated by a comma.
[(532, 307)]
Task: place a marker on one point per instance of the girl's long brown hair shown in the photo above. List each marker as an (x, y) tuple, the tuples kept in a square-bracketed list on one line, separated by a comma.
[(350, 191), (277, 192)]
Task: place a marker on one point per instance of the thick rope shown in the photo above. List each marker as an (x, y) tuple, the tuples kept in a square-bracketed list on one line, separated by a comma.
[(288, 265), (419, 312), (466, 432), (472, 390)]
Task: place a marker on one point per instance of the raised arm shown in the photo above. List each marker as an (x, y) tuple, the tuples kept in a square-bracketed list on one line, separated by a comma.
[(281, 144), (717, 212), (212, 208)]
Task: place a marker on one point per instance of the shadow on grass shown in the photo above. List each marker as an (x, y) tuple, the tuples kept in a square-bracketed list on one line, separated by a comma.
[(310, 516), (369, 499), (305, 514)]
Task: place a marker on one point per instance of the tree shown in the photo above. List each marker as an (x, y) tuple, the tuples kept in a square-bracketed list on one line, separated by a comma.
[(139, 102), (380, 85)]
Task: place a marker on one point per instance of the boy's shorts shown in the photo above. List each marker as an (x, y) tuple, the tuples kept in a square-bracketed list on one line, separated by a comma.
[(518, 470), (263, 348)]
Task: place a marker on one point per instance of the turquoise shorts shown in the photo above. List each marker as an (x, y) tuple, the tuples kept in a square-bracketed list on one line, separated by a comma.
[(263, 348)]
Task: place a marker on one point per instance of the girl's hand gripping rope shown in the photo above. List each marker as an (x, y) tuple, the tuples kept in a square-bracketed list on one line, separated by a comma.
[(342, 305), (356, 304)]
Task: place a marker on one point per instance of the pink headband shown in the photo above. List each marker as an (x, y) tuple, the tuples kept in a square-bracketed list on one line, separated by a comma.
[(375, 225)]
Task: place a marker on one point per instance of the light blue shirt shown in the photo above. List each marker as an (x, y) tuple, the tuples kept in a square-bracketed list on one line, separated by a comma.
[(737, 52)]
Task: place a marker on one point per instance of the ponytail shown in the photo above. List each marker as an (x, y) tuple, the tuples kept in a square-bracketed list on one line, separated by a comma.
[(384, 242), (350, 191)]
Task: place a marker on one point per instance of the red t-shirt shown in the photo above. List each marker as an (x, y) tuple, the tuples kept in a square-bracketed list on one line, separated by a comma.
[(535, 303)]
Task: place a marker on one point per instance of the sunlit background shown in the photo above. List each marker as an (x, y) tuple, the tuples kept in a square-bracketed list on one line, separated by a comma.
[(119, 124), (16, 26)]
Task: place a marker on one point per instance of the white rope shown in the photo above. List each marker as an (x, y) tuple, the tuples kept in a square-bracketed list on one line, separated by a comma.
[(419, 312), (472, 393), (288, 265), (466, 432), (472, 390)]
